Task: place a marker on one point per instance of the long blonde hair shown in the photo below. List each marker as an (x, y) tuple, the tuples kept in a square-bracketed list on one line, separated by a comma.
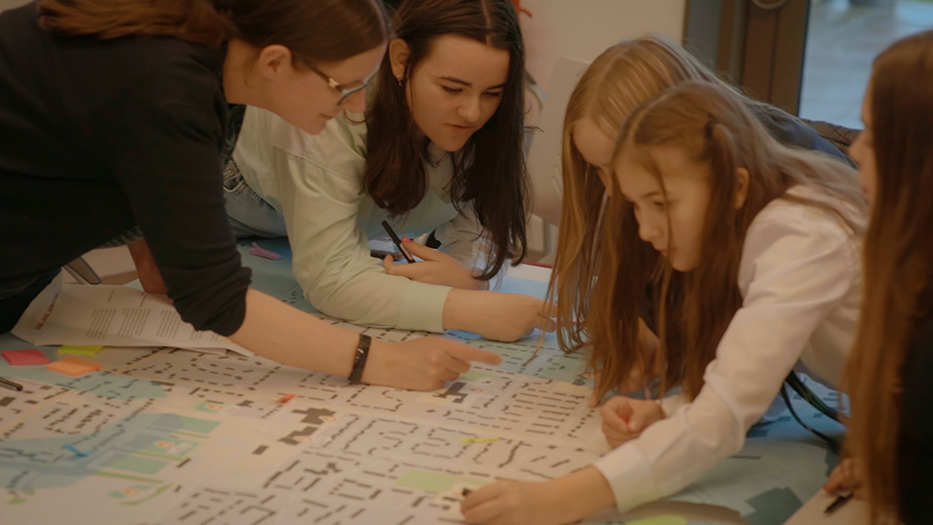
[(713, 127), (620, 79), (898, 264)]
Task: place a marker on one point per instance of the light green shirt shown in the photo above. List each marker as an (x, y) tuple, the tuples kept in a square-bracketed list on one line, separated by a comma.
[(314, 181)]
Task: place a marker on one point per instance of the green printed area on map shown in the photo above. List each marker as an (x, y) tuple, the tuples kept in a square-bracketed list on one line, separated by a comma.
[(174, 422), (433, 481), (137, 464)]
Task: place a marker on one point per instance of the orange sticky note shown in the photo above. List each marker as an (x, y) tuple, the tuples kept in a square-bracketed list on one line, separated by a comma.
[(73, 366)]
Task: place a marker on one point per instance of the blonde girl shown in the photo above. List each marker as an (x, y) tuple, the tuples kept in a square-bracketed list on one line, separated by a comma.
[(621, 78)]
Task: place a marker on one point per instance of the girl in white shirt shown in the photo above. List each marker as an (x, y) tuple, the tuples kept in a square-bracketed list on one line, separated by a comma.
[(754, 250), (440, 150), (622, 77)]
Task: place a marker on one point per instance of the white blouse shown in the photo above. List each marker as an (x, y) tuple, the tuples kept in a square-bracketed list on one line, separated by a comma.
[(800, 279)]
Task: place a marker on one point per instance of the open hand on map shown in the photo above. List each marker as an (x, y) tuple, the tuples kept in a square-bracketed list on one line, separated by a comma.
[(498, 316), (563, 500)]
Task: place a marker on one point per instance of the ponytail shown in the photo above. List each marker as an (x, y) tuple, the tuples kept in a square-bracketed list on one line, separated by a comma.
[(196, 21), (314, 30)]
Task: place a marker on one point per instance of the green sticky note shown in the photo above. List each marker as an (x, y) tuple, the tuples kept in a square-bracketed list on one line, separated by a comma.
[(80, 350), (660, 520)]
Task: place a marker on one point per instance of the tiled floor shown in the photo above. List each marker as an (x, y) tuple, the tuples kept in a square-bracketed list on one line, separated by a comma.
[(841, 44)]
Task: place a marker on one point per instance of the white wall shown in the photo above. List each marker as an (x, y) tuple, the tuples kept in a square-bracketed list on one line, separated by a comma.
[(579, 29), (584, 28)]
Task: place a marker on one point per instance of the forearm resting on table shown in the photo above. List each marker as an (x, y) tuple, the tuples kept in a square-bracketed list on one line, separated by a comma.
[(586, 492), (477, 310), (289, 336)]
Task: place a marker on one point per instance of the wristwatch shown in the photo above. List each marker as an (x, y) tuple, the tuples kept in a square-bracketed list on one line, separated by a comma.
[(359, 359)]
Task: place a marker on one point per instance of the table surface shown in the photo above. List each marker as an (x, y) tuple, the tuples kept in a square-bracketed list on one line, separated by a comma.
[(173, 436)]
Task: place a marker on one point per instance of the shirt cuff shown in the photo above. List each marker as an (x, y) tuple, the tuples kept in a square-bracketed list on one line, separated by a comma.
[(629, 475), (421, 307), (671, 403)]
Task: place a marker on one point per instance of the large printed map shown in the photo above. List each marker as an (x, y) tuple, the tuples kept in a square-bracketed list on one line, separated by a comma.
[(178, 437)]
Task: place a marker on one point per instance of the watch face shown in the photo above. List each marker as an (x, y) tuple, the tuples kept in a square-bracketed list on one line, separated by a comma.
[(359, 359)]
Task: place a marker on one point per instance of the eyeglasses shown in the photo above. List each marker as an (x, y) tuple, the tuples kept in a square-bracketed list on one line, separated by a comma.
[(344, 92)]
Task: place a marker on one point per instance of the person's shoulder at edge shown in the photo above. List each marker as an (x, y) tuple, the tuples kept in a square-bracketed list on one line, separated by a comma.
[(794, 215), (918, 368), (184, 73), (148, 69), (914, 441)]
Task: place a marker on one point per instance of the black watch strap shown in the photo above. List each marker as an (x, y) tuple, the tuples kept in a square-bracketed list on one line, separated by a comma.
[(359, 358)]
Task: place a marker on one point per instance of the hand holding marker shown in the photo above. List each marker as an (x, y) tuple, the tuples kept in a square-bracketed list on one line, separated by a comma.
[(397, 241)]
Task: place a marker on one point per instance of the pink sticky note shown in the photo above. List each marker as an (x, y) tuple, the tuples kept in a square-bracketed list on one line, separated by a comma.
[(259, 251), (33, 356), (73, 366)]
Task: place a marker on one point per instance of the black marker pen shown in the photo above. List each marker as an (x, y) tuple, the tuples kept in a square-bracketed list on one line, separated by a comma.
[(397, 241)]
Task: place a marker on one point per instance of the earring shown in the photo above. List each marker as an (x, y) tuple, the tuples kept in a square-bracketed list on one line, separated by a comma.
[(399, 78)]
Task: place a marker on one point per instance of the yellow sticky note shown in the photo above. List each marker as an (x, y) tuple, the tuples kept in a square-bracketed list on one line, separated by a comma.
[(478, 440), (80, 350)]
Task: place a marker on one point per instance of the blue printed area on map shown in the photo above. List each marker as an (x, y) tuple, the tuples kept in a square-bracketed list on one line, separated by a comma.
[(780, 465), (44, 463), (98, 383)]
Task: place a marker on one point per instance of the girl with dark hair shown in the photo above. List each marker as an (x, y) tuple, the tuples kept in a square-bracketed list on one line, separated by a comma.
[(440, 150), (890, 372), (752, 249), (113, 115)]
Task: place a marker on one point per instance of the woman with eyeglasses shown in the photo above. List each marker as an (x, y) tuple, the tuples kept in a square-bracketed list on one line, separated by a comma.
[(439, 150), (113, 117)]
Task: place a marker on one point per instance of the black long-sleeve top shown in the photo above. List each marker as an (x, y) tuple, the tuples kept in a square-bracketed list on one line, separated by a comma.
[(915, 441), (99, 136)]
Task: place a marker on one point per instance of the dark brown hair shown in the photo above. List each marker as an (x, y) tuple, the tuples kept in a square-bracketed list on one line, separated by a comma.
[(898, 263), (489, 172), (713, 127), (314, 30)]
